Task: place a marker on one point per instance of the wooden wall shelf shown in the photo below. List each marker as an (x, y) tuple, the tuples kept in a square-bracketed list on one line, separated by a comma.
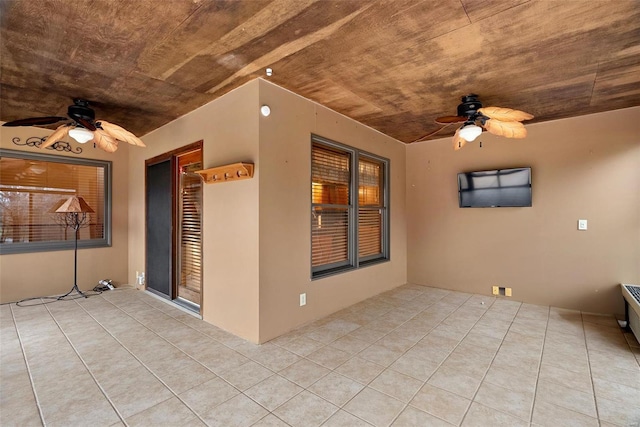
[(232, 172)]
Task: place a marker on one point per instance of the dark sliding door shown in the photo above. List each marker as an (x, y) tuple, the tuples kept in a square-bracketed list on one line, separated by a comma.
[(159, 228)]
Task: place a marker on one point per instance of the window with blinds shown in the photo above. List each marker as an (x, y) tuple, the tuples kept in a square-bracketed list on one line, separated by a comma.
[(331, 209), (370, 208), (33, 186), (346, 231)]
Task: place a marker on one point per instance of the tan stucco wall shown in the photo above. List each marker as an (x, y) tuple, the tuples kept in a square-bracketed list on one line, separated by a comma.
[(285, 213), (49, 273), (228, 128), (582, 168)]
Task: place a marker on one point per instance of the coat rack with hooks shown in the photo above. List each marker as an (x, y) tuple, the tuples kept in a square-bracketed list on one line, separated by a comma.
[(232, 172)]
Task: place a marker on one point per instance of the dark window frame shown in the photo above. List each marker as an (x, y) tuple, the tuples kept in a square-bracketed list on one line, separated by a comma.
[(354, 261), (58, 245)]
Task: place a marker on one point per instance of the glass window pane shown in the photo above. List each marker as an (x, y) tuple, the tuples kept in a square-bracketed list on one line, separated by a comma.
[(370, 182), (369, 232), (32, 188), (329, 236)]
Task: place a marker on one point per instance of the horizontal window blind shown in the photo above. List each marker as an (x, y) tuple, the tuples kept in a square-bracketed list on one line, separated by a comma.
[(349, 212), (331, 179), (370, 202), (31, 189), (329, 236), (369, 232), (191, 230)]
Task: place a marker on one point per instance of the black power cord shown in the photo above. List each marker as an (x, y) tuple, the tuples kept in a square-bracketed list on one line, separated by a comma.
[(55, 299)]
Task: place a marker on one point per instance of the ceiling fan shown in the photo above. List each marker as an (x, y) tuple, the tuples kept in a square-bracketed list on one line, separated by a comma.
[(496, 120), (82, 126)]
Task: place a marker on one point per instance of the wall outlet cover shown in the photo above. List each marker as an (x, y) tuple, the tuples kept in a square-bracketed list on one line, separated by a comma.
[(303, 299)]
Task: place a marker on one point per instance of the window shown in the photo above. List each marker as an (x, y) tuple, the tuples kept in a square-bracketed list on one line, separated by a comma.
[(349, 208), (33, 185)]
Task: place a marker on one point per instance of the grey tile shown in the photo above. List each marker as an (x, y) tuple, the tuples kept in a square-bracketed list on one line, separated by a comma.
[(304, 372), (549, 415), (395, 384), (374, 407), (206, 396), (441, 403), (517, 403), (245, 376), (329, 357), (305, 410), (480, 415), (273, 391), (336, 388), (270, 421), (238, 411), (345, 419), (169, 412), (360, 370), (412, 417), (566, 397)]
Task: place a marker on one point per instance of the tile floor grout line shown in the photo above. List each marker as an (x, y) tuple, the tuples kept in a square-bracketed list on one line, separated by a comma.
[(197, 361), (341, 407), (544, 342), (439, 364), (143, 364), (217, 376), (429, 377), (95, 380), (26, 362), (593, 386), (491, 363)]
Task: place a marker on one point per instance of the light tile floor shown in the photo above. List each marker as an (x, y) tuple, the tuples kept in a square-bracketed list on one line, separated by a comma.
[(414, 356)]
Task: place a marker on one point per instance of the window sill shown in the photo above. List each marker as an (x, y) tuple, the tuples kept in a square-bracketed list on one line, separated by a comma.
[(345, 269)]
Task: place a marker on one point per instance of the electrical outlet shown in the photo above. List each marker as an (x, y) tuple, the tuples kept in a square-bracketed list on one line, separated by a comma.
[(303, 299), (507, 292), (582, 224), (495, 290)]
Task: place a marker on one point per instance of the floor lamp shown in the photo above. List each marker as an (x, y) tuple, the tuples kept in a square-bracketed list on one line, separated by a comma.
[(73, 214)]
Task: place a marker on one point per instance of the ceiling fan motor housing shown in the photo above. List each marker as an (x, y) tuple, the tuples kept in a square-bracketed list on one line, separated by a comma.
[(81, 110), (470, 106)]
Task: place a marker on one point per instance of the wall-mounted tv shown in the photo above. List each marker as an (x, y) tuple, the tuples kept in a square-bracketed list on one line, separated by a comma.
[(495, 188)]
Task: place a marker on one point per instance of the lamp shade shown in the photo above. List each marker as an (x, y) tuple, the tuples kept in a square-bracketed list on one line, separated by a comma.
[(81, 134), (470, 132), (74, 204)]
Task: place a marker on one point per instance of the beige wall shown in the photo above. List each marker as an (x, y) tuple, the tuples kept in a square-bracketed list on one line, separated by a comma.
[(257, 232), (285, 206), (229, 130), (50, 273), (582, 168)]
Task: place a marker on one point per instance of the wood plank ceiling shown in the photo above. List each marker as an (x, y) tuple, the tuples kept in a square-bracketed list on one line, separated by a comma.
[(394, 65)]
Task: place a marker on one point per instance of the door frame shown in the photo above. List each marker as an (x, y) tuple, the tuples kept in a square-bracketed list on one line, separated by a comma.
[(171, 156)]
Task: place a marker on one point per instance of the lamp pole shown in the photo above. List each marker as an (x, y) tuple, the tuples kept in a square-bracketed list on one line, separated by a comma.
[(73, 213)]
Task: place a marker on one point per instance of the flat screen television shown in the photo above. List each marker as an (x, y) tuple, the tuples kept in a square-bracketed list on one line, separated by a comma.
[(495, 188)]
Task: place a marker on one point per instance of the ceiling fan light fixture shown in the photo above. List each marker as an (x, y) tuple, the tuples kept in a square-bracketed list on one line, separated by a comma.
[(81, 134), (470, 132)]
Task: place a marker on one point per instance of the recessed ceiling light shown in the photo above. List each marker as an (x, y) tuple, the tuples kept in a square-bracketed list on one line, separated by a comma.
[(265, 110)]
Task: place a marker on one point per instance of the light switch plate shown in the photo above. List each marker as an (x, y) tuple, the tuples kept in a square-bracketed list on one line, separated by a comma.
[(582, 224), (303, 299)]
